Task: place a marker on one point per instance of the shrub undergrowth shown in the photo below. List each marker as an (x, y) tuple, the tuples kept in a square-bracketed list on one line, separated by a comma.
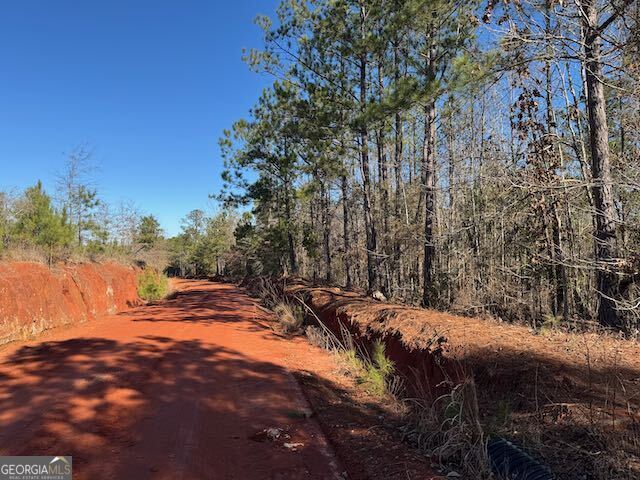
[(152, 285)]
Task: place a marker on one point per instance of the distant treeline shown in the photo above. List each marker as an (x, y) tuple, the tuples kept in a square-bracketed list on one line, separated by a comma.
[(73, 223), (76, 224)]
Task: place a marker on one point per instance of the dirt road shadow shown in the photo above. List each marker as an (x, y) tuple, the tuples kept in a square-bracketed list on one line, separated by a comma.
[(155, 407)]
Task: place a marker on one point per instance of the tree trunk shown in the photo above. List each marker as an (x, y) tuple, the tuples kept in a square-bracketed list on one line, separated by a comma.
[(345, 232), (397, 160), (383, 182), (605, 234), (560, 303), (326, 224), (293, 261), (451, 250), (428, 178), (370, 230)]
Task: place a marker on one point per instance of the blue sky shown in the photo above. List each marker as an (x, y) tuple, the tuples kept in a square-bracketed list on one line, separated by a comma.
[(148, 85)]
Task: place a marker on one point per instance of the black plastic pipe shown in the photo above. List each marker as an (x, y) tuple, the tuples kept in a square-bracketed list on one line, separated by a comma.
[(509, 462)]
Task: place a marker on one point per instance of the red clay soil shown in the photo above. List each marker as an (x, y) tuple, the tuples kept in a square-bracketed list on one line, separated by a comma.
[(187, 388), (35, 298), (573, 399)]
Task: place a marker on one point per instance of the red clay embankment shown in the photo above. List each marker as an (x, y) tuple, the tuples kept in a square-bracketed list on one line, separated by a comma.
[(572, 398), (35, 297), (416, 348)]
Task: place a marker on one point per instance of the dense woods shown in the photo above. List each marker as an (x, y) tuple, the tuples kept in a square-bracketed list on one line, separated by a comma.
[(481, 157)]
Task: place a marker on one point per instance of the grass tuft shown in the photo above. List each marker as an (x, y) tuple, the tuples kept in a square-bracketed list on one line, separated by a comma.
[(291, 318), (374, 372)]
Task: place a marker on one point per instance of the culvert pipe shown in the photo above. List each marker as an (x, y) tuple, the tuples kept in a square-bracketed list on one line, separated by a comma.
[(510, 462)]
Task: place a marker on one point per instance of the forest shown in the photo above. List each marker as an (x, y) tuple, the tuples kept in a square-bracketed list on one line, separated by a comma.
[(476, 157)]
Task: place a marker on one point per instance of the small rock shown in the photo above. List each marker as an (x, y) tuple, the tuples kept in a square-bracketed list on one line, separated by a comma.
[(271, 434), (453, 475), (293, 446), (378, 295)]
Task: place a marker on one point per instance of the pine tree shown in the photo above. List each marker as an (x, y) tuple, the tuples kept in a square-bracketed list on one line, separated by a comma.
[(149, 232), (39, 224)]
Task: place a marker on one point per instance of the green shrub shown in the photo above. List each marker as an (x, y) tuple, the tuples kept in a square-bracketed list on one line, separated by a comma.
[(378, 370), (152, 285), (372, 371)]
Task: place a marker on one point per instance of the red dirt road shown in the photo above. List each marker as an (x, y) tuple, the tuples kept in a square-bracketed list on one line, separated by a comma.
[(177, 390)]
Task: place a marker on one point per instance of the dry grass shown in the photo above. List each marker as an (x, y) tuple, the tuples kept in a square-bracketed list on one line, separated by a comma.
[(318, 337), (24, 254), (290, 318), (448, 428), (265, 288), (583, 420)]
